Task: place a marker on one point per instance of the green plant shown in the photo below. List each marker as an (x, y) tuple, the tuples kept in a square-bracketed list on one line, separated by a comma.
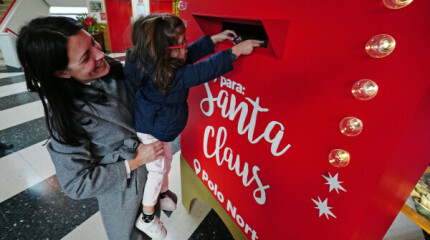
[(90, 24)]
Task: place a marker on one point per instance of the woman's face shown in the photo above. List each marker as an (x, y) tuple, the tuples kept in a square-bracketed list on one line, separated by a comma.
[(86, 60), (181, 51)]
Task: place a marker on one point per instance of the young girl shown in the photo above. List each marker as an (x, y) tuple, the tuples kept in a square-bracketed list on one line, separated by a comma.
[(161, 68)]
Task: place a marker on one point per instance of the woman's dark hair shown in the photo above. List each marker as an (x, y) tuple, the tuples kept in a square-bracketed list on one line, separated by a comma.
[(151, 35), (42, 50)]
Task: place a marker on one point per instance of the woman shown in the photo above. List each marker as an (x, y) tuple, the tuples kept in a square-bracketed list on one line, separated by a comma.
[(89, 114)]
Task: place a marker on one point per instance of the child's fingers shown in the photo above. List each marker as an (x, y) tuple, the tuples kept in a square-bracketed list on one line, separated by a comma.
[(257, 43), (234, 33), (231, 34), (230, 31)]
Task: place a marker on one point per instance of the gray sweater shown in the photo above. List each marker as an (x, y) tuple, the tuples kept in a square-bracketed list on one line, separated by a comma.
[(96, 167)]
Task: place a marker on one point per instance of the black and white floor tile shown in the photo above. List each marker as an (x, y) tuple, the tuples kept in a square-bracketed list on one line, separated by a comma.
[(32, 205)]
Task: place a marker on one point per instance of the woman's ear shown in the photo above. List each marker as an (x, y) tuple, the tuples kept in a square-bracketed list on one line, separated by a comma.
[(62, 74)]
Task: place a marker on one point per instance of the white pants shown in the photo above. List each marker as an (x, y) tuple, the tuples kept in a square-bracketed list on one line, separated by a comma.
[(158, 172)]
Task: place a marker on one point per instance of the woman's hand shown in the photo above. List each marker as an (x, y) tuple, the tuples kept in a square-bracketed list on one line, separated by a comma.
[(146, 153), (246, 47), (224, 35)]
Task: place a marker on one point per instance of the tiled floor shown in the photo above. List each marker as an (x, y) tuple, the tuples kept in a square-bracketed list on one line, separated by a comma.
[(32, 205)]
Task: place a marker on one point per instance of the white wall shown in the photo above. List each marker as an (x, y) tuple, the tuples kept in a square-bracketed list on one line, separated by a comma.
[(21, 13), (97, 14), (27, 10), (140, 8), (8, 49), (67, 3)]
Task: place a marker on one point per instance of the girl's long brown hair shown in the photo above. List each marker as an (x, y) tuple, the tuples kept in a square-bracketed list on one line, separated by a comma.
[(151, 35)]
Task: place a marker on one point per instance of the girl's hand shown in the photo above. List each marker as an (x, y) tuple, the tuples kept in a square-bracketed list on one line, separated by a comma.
[(224, 35), (246, 47), (146, 153)]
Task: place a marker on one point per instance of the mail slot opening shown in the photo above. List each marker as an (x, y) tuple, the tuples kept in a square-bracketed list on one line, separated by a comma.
[(272, 31), (247, 31)]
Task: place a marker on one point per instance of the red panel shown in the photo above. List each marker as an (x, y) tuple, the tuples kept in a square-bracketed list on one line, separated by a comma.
[(161, 6), (303, 90), (119, 18)]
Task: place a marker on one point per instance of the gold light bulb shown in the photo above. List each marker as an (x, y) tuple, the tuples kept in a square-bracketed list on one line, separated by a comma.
[(339, 158), (364, 89), (396, 4), (351, 126), (380, 46)]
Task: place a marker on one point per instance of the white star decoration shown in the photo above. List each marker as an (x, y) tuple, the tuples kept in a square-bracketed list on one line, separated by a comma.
[(324, 209), (334, 183)]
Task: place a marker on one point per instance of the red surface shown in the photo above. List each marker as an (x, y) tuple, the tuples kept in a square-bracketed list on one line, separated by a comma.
[(161, 6), (10, 30), (304, 79), (119, 15)]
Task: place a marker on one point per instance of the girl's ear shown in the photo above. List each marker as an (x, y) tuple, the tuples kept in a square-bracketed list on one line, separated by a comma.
[(62, 74)]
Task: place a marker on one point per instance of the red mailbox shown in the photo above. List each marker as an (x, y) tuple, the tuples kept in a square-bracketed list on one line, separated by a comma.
[(259, 137), (164, 6)]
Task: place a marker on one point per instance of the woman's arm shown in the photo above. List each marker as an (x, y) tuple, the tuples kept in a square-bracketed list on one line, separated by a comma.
[(81, 177), (146, 153)]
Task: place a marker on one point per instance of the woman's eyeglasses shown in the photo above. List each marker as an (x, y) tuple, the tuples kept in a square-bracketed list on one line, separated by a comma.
[(185, 45)]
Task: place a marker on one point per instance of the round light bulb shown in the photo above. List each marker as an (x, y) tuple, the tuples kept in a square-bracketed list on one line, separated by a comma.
[(396, 4), (182, 5), (380, 46), (339, 158), (364, 89), (350, 126)]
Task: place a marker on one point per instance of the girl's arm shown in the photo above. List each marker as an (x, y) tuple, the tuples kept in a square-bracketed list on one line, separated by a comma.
[(204, 71), (199, 49), (206, 45), (214, 66)]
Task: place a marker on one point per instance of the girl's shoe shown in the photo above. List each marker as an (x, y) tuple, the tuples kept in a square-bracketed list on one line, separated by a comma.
[(154, 229), (167, 204)]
